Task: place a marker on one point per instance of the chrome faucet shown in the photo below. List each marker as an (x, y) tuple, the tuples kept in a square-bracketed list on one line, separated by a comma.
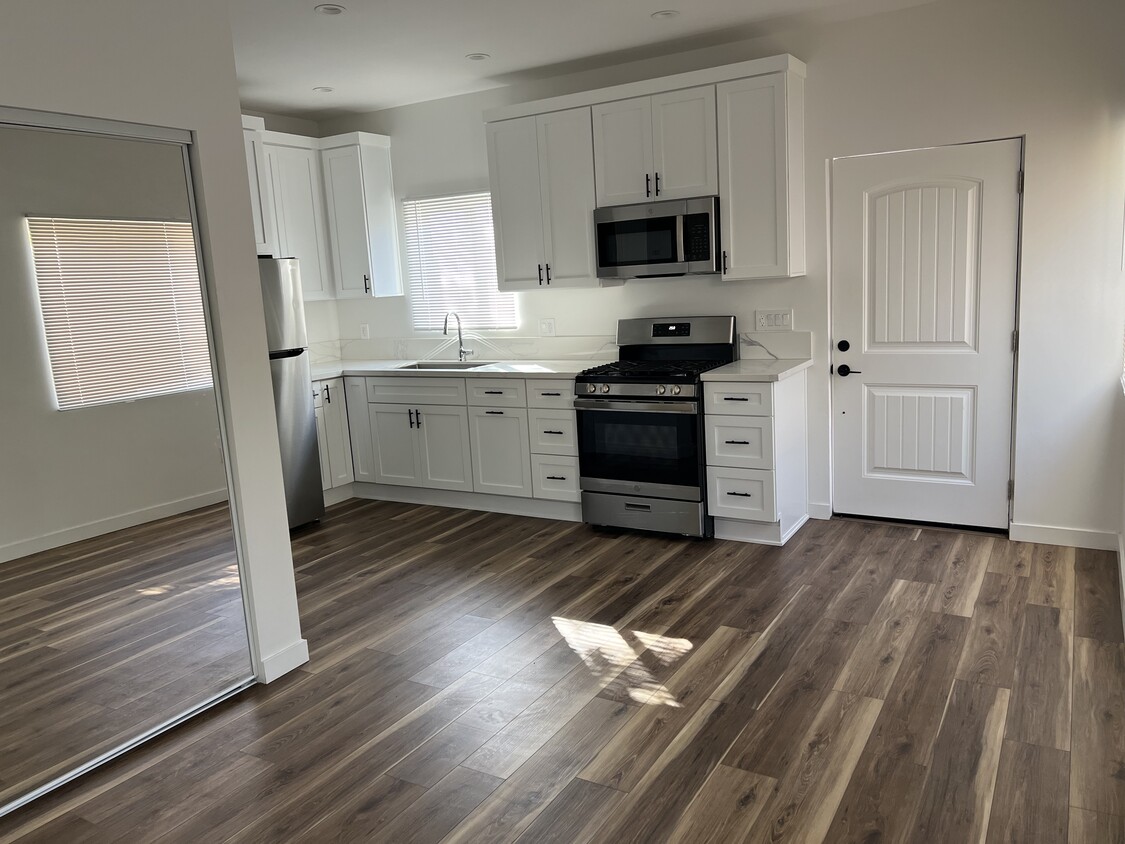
[(462, 352)]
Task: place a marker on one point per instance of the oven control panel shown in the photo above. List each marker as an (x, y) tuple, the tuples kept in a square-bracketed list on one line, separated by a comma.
[(641, 390), (671, 329)]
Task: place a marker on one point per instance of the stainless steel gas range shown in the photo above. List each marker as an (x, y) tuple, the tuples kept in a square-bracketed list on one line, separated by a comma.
[(640, 425)]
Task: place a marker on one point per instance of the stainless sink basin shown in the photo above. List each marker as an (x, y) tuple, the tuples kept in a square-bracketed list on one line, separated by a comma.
[(449, 365)]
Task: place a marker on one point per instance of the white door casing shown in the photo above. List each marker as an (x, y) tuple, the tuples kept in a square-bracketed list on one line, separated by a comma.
[(924, 252)]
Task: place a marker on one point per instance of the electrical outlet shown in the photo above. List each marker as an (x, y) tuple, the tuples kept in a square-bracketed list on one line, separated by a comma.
[(774, 320), (547, 327), (364, 331)]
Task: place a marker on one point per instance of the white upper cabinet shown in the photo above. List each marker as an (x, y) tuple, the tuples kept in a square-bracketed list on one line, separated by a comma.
[(762, 176), (362, 215), (298, 198), (261, 200), (657, 147), (542, 178)]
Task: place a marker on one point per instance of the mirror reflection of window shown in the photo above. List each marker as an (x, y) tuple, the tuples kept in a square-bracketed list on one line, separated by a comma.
[(119, 580)]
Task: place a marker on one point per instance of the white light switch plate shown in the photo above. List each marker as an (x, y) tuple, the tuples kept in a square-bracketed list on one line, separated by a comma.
[(547, 327), (364, 331), (780, 319)]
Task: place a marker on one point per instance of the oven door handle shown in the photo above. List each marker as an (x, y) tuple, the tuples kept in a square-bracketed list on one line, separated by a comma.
[(637, 406)]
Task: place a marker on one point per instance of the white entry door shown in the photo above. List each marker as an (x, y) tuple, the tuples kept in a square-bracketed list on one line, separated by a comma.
[(924, 250)]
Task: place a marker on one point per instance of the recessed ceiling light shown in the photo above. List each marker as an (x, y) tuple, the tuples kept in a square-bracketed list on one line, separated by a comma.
[(329, 9), (664, 14), (323, 89), (478, 57)]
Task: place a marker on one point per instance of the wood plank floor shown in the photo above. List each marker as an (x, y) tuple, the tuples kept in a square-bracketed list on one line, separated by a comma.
[(480, 677), (106, 638)]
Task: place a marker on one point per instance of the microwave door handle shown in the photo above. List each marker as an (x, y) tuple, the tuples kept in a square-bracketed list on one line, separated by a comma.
[(680, 239)]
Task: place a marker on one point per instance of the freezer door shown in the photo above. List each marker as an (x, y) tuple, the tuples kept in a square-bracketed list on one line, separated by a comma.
[(283, 305), (296, 430)]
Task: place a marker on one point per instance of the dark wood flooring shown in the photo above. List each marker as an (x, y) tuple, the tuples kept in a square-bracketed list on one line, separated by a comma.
[(103, 639), (479, 677)]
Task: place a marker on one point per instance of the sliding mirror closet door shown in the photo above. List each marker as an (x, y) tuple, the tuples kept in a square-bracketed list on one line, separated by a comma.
[(120, 603)]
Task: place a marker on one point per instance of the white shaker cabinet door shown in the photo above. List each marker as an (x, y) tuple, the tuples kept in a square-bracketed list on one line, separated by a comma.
[(392, 432), (360, 429), (299, 214), (442, 437), (322, 447), (261, 204), (685, 148), (566, 180), (517, 206), (347, 220), (501, 451), (337, 433), (623, 151)]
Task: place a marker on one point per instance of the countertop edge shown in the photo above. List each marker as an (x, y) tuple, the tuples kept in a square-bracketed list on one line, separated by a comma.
[(755, 369)]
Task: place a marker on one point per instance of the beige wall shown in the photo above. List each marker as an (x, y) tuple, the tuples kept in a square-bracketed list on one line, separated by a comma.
[(170, 63), (948, 72)]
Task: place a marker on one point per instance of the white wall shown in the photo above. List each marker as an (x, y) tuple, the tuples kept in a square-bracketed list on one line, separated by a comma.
[(171, 63), (948, 72)]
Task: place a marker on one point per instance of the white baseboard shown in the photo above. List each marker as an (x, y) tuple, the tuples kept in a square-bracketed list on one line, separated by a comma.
[(338, 494), (565, 511), (820, 511), (24, 547), (1070, 537), (282, 662)]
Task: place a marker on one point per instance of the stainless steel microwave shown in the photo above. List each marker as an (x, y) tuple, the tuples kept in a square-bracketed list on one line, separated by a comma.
[(653, 239)]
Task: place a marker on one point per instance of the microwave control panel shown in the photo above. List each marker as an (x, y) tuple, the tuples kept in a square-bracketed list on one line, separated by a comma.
[(697, 237)]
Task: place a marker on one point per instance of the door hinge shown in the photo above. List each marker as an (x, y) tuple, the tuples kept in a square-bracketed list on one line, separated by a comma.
[(1019, 182), (1011, 490), (1016, 340)]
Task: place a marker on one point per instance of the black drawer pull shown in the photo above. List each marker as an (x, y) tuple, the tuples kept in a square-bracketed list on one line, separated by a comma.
[(555, 478), (556, 433), (735, 398), (494, 392), (741, 494), (738, 442), (495, 412), (550, 394)]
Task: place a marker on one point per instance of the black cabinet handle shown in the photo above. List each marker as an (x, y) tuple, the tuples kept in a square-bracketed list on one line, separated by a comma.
[(648, 185), (550, 394), (741, 494), (556, 478), (735, 398), (658, 184), (495, 412), (366, 283), (494, 392), (417, 417), (548, 273), (410, 414), (556, 433), (540, 273), (327, 394), (738, 442), (843, 370), (724, 262)]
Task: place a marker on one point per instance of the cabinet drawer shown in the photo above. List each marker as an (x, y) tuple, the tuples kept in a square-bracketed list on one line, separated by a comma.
[(414, 390), (553, 432), (743, 442), (746, 494), (555, 478), (496, 392), (550, 394), (738, 398)]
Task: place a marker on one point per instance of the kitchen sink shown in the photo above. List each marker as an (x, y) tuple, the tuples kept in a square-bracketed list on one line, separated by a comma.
[(451, 365)]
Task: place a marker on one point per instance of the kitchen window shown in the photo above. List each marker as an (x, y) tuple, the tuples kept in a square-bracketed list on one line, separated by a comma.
[(122, 308), (451, 263)]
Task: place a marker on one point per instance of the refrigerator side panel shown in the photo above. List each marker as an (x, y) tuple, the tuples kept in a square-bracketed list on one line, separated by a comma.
[(296, 430), (281, 300)]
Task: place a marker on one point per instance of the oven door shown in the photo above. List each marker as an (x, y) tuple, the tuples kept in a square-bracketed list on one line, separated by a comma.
[(640, 448)]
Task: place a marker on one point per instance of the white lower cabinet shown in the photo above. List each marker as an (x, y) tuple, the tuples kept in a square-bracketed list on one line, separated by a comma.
[(423, 445), (501, 450), (392, 434), (359, 425), (756, 458), (554, 477), (332, 433), (553, 431)]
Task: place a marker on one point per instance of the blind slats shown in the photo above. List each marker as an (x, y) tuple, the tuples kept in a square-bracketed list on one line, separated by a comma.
[(451, 260), (122, 308)]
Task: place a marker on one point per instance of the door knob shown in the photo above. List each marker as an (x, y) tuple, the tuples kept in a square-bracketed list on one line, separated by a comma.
[(843, 370)]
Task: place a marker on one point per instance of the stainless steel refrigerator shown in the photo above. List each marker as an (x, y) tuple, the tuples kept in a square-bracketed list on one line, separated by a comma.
[(292, 388)]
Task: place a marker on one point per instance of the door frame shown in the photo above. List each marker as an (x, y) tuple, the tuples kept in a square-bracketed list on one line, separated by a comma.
[(830, 199)]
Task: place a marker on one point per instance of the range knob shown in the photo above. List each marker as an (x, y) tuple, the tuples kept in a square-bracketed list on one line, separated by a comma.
[(676, 390), (605, 388), (591, 388), (661, 390)]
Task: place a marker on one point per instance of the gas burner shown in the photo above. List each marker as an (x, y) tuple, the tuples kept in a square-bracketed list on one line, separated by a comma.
[(666, 369)]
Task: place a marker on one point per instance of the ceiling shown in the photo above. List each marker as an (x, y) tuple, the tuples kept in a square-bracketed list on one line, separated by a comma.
[(384, 53)]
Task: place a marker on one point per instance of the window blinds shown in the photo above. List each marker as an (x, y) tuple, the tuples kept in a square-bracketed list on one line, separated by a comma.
[(451, 261), (122, 308)]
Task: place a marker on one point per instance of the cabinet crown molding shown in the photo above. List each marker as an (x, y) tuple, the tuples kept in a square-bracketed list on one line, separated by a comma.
[(368, 139), (784, 63)]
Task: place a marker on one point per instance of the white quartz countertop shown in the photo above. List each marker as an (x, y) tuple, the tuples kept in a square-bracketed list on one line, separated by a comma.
[(754, 369), (502, 369)]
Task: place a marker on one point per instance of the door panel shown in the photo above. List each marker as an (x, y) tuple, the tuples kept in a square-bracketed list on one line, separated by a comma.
[(392, 434), (685, 148), (501, 451), (513, 167), (623, 151), (924, 288), (566, 179), (442, 435)]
